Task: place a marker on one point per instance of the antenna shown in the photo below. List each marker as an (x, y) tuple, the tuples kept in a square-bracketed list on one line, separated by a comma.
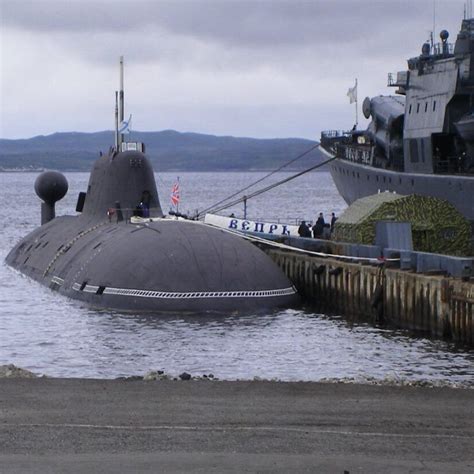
[(434, 17), (116, 122), (357, 107), (121, 100), (468, 9)]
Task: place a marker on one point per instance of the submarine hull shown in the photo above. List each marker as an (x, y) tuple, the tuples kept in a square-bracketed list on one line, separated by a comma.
[(164, 265), (110, 259)]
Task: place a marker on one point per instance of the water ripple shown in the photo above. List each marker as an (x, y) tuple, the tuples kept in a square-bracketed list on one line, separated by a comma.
[(47, 333)]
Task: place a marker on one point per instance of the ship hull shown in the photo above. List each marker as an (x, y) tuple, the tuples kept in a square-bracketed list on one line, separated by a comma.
[(354, 181)]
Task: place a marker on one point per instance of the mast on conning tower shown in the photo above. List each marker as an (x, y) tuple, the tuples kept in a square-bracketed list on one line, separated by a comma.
[(116, 141), (121, 101), (121, 125)]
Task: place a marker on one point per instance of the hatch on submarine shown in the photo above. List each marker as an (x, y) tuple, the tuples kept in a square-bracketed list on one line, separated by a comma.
[(110, 260)]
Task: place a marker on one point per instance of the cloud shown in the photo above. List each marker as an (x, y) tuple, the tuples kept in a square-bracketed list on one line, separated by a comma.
[(231, 23), (203, 59)]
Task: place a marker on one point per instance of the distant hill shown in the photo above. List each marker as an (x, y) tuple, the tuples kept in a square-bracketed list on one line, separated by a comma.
[(168, 150)]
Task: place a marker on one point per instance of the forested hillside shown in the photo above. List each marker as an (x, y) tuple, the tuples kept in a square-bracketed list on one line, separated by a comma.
[(168, 150)]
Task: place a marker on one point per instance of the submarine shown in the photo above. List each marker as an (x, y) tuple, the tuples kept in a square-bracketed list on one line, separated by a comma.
[(121, 252)]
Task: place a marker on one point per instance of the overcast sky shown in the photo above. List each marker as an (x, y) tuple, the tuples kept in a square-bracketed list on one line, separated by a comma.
[(243, 68)]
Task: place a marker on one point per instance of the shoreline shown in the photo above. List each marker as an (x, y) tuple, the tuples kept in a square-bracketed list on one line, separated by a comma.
[(11, 371)]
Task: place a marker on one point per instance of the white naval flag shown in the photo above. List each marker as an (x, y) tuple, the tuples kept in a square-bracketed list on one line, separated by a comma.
[(352, 93), (125, 126)]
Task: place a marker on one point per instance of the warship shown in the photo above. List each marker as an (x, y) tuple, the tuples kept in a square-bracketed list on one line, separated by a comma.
[(120, 251), (421, 140)]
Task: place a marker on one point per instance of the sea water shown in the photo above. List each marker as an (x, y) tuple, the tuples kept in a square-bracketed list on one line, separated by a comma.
[(47, 333)]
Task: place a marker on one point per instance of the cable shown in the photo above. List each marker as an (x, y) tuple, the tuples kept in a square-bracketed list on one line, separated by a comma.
[(258, 181), (263, 190), (270, 243)]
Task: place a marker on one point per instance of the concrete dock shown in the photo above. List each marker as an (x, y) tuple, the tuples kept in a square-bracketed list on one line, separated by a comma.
[(73, 425)]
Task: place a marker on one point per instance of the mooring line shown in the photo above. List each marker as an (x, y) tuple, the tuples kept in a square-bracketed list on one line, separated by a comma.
[(271, 243)]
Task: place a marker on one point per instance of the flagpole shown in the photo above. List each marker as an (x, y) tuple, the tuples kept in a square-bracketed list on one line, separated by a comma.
[(116, 123), (357, 108)]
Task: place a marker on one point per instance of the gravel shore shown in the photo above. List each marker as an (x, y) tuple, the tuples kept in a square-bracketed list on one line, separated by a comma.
[(162, 425)]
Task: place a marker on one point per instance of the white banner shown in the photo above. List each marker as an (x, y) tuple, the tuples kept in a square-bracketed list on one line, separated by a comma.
[(246, 225)]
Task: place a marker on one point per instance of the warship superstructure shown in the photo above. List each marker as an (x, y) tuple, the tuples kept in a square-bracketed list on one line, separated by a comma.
[(420, 141)]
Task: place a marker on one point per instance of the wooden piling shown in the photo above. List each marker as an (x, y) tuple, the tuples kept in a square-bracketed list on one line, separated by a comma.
[(436, 304)]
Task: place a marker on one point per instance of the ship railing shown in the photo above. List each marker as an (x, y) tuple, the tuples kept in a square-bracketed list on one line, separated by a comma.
[(335, 134), (362, 154), (330, 138), (399, 79), (290, 220), (450, 165), (442, 49)]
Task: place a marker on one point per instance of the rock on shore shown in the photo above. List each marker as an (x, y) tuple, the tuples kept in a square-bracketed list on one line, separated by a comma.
[(12, 371)]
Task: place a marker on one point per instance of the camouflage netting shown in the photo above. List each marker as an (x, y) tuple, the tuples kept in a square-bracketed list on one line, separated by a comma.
[(436, 225)]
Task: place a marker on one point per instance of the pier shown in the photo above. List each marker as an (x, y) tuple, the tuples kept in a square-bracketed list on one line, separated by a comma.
[(438, 305)]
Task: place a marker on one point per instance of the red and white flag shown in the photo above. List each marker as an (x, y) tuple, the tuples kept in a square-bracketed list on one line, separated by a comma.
[(175, 193)]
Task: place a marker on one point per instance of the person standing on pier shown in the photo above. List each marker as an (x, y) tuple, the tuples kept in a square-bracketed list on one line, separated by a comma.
[(318, 227), (333, 221), (303, 230)]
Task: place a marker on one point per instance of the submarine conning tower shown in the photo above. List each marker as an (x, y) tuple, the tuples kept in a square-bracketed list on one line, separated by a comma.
[(119, 182), (122, 182)]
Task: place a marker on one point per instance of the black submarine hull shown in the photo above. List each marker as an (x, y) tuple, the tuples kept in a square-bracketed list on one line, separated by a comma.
[(162, 266), (111, 259)]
